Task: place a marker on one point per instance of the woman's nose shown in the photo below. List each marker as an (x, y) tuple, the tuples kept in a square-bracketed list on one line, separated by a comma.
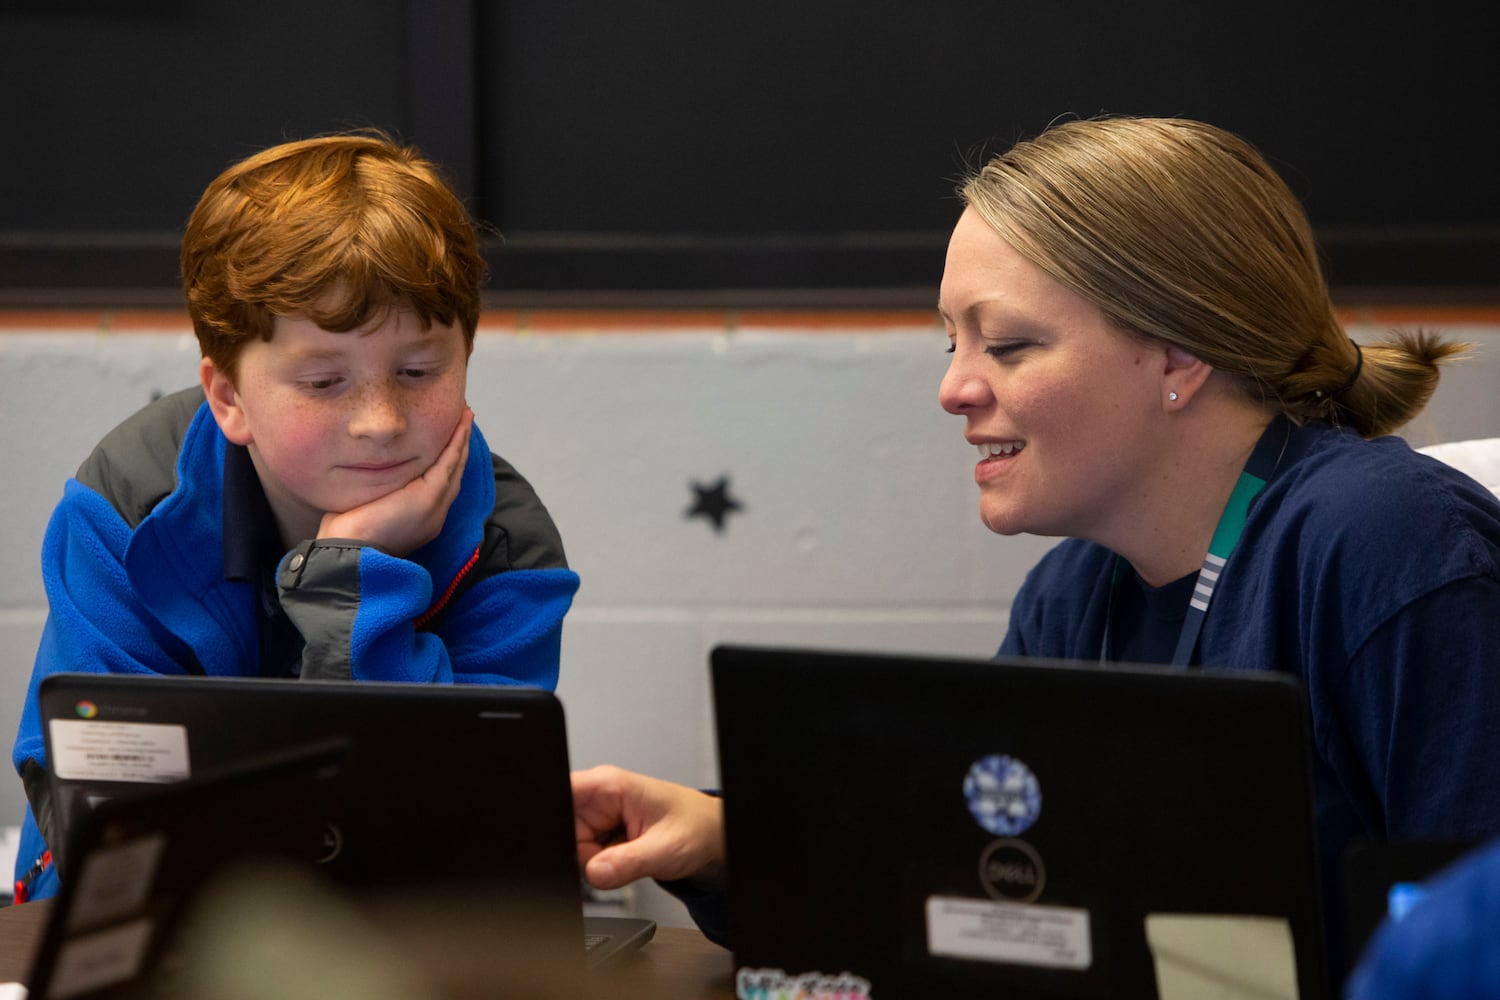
[(961, 388)]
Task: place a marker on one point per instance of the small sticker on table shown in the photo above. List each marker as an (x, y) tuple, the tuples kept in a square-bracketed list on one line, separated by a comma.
[(118, 751), (775, 984), (1056, 937)]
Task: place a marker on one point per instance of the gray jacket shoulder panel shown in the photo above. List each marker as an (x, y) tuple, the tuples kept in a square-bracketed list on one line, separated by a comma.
[(134, 466), (519, 533)]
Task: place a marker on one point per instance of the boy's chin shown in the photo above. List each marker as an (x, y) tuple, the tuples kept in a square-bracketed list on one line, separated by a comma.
[(360, 494)]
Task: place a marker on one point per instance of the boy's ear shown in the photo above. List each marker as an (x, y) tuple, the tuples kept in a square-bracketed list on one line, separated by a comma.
[(224, 401)]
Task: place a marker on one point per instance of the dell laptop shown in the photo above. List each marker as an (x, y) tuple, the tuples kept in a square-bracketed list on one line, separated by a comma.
[(903, 826)]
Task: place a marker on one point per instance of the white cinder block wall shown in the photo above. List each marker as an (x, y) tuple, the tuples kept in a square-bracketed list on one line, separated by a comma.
[(858, 525)]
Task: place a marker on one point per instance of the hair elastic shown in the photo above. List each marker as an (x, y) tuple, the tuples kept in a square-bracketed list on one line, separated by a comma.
[(1359, 364)]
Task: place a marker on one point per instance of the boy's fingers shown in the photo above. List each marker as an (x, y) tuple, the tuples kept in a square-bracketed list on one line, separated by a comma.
[(455, 455)]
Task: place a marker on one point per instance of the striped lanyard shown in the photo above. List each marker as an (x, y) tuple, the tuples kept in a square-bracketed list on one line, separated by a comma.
[(1257, 472)]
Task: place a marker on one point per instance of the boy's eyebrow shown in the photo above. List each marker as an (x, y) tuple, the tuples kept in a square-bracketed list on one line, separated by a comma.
[(338, 351), (300, 354), (429, 337)]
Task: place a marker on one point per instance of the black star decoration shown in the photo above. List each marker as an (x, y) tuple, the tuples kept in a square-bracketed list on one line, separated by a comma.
[(713, 502)]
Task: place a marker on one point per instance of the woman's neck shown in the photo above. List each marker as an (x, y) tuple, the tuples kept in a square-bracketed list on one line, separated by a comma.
[(1174, 519)]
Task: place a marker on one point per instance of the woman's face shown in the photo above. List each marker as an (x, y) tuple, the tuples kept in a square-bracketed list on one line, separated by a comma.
[(1064, 407)]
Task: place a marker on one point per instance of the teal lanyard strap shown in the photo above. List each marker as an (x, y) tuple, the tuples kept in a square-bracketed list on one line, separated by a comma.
[(1258, 471)]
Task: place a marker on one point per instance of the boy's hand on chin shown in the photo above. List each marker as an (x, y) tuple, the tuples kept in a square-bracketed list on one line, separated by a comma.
[(404, 520)]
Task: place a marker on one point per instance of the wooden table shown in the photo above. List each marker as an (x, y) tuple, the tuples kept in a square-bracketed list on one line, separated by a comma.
[(21, 929), (677, 963)]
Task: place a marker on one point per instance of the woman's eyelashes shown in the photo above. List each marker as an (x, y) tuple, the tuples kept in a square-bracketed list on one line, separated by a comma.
[(1006, 349), (995, 348)]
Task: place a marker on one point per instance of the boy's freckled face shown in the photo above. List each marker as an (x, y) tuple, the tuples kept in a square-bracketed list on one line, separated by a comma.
[(336, 420)]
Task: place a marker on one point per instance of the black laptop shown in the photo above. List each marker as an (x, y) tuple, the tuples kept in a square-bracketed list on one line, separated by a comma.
[(900, 826), (438, 788)]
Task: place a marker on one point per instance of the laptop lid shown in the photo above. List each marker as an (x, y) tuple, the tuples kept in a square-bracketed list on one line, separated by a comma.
[(141, 858), (908, 826), (440, 786), (436, 778)]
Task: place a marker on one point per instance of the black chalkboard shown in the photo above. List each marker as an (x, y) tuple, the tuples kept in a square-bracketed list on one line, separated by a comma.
[(682, 147)]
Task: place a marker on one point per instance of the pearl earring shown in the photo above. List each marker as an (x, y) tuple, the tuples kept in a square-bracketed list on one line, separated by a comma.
[(1172, 396)]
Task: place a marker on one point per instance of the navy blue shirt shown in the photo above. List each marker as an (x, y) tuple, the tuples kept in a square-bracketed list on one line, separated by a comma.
[(1147, 620), (1372, 573)]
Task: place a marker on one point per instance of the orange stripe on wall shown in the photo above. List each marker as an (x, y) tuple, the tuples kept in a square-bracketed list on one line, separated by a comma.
[(663, 320), (1412, 315)]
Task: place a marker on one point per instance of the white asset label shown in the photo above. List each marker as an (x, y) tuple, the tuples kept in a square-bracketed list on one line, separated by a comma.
[(1021, 933), (118, 751)]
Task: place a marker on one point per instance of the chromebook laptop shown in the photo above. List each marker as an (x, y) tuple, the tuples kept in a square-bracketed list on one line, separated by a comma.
[(900, 826), (439, 787)]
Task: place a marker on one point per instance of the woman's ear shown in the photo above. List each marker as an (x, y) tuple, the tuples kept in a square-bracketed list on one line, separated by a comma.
[(1183, 375), (224, 401)]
